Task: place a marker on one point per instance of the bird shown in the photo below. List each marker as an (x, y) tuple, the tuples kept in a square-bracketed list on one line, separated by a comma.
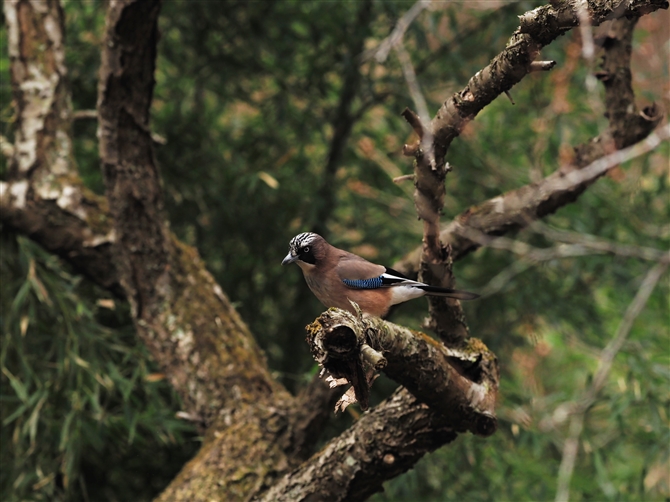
[(338, 277)]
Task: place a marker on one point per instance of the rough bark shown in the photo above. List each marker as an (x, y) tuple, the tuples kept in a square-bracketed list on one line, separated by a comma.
[(385, 442), (180, 313), (42, 196), (446, 318), (537, 28), (348, 346), (520, 207)]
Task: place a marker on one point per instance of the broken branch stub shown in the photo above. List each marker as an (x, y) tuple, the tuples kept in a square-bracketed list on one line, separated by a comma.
[(460, 384)]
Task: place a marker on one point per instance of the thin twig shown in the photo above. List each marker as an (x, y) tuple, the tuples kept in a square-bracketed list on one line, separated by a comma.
[(586, 245), (541, 65), (93, 115), (597, 244), (404, 177), (420, 103), (381, 52), (571, 445), (85, 114)]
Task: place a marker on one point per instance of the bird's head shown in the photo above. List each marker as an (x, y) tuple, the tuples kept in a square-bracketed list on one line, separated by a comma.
[(306, 250)]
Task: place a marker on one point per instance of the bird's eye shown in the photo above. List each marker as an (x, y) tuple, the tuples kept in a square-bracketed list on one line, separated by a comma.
[(305, 249)]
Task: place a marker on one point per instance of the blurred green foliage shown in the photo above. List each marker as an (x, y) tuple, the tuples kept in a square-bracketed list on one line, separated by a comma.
[(84, 411), (248, 98)]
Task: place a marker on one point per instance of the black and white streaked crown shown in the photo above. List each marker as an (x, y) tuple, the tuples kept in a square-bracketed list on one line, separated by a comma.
[(301, 240)]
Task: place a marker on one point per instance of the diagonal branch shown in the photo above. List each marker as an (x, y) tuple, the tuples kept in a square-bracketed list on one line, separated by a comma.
[(180, 312), (537, 28), (207, 350), (520, 207), (580, 408), (384, 443)]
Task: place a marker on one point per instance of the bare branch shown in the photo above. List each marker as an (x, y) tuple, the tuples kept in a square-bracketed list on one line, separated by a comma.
[(386, 441), (508, 68), (597, 244), (518, 208), (422, 125), (579, 245), (446, 316), (404, 177), (342, 344), (537, 28), (85, 115), (381, 52), (541, 65)]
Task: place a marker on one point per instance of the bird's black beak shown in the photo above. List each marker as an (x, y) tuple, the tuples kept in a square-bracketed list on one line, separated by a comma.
[(289, 259)]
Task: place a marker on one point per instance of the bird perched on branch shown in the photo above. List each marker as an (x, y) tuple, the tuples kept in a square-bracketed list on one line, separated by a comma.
[(336, 276)]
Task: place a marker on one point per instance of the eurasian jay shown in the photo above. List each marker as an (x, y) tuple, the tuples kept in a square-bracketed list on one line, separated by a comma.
[(336, 276)]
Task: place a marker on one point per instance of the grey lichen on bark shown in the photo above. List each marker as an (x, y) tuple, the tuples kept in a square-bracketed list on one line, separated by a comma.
[(459, 384)]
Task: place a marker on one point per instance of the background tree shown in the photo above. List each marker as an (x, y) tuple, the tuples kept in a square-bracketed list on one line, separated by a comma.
[(273, 118)]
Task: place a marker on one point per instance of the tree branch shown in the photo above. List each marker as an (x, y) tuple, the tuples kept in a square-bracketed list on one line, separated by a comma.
[(385, 442), (381, 52), (520, 207), (342, 344), (579, 409), (537, 28), (182, 315), (189, 324), (180, 312), (43, 197)]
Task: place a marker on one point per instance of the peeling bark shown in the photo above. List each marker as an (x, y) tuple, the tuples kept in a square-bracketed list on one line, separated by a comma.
[(39, 79), (43, 196)]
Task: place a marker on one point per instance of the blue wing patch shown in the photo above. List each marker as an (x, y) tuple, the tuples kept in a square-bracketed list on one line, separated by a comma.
[(373, 283)]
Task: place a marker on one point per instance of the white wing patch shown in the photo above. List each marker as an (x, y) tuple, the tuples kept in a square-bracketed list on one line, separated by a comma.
[(402, 293)]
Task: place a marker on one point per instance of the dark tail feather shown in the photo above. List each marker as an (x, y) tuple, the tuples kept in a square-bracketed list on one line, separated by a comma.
[(450, 293)]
